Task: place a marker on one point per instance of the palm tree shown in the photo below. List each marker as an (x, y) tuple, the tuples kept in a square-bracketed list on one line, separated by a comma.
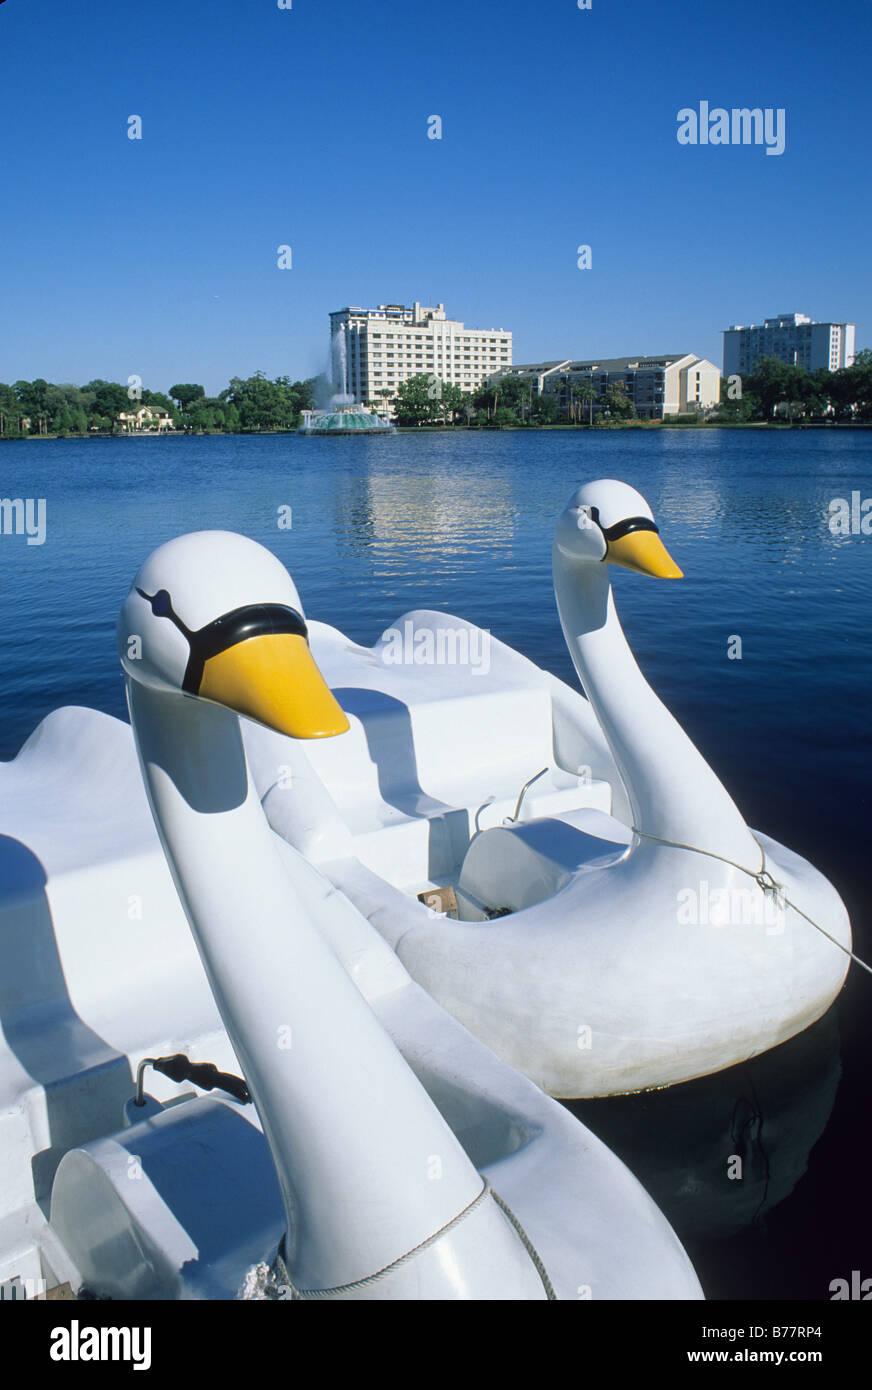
[(588, 392), (581, 391)]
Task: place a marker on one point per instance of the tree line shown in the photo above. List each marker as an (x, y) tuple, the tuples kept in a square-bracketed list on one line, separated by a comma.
[(247, 404), (426, 400), (511, 400), (777, 389), (774, 390)]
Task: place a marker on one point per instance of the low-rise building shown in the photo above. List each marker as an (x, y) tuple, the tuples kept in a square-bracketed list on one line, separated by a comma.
[(657, 386)]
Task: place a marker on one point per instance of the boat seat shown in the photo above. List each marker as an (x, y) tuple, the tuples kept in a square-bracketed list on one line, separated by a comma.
[(421, 756), (408, 780), (433, 753), (206, 1207), (513, 867)]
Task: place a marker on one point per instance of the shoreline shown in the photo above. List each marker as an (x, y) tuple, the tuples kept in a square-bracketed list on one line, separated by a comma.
[(469, 429)]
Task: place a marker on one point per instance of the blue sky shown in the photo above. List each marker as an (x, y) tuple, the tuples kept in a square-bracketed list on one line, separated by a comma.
[(308, 127)]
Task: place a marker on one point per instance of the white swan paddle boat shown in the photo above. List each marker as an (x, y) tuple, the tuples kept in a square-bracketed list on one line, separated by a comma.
[(387, 1153), (604, 918)]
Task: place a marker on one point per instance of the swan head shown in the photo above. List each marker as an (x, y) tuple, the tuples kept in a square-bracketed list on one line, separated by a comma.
[(611, 522), (216, 617)]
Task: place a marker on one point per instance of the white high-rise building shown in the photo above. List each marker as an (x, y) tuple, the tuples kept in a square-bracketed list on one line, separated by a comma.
[(792, 338), (376, 350)]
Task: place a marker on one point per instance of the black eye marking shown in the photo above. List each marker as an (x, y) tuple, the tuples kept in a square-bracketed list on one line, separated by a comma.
[(253, 620), (162, 607), (622, 528)]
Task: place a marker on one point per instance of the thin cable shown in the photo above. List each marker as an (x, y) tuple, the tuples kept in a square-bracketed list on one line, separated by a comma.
[(763, 878), (528, 1246), (282, 1274)]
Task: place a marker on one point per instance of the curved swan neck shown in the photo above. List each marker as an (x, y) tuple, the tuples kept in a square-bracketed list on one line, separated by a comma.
[(673, 792), (352, 1132)]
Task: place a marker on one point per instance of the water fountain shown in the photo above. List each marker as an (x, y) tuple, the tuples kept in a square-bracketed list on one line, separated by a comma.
[(344, 419), (342, 414)]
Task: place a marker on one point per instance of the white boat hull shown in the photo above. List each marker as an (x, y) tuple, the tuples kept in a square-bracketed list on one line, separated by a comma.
[(99, 970)]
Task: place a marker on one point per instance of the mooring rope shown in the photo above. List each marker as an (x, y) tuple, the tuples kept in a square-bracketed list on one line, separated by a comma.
[(528, 1246), (763, 878), (282, 1275)]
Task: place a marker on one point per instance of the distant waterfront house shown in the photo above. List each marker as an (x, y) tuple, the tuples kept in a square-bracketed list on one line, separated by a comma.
[(146, 418), (668, 384)]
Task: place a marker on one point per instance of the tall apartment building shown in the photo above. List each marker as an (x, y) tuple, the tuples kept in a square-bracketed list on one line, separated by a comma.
[(375, 350), (670, 384), (792, 338)]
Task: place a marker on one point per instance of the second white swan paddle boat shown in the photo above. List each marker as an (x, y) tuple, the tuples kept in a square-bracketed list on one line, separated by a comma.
[(411, 1163), (617, 924)]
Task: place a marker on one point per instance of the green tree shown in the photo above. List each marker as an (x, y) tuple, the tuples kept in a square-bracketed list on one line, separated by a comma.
[(582, 394), (862, 370), (851, 388), (10, 412), (514, 392), (110, 399), (31, 396), (62, 420), (269, 405), (486, 398), (417, 401), (772, 382), (733, 408), (510, 393), (618, 403), (186, 393), (157, 400), (451, 402), (260, 402), (305, 391), (209, 414), (545, 409)]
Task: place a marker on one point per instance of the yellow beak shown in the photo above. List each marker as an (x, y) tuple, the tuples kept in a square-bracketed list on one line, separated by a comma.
[(644, 552), (273, 679)]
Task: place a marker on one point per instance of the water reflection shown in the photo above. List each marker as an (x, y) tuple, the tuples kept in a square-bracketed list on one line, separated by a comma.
[(779, 523), (354, 525), (683, 1142), (401, 519)]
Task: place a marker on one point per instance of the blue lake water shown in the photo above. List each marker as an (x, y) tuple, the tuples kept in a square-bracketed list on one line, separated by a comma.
[(463, 523)]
